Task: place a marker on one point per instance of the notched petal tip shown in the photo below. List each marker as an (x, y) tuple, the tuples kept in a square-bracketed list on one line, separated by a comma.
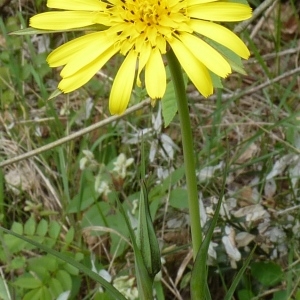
[(62, 88), (207, 93)]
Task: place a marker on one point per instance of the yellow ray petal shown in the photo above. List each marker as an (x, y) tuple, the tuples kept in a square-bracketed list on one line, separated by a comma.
[(87, 5), (194, 69), (143, 58), (195, 2), (87, 54), (61, 20), (161, 44), (155, 75), (66, 52), (81, 77), (123, 83), (141, 42), (115, 2), (221, 35), (211, 58), (220, 11)]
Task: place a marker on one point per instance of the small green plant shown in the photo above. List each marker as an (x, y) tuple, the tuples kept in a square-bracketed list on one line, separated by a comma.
[(41, 276)]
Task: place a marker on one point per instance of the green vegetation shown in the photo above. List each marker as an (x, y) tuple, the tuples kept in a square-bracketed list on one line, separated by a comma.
[(76, 205)]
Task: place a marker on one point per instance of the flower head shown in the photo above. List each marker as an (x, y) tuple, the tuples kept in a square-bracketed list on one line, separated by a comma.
[(142, 31)]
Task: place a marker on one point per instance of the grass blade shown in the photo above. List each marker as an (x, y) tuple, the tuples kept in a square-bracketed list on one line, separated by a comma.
[(144, 282), (199, 288), (229, 294)]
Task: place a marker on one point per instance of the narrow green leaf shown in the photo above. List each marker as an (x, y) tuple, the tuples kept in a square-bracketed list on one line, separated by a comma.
[(199, 288), (216, 80), (144, 282), (240, 1), (146, 237), (234, 60), (169, 104), (207, 292), (1, 194), (230, 292), (110, 288), (54, 94), (160, 295)]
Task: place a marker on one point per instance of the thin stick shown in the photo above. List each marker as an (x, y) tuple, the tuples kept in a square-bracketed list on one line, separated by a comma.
[(251, 90), (262, 20), (274, 55), (242, 26), (75, 134), (268, 83)]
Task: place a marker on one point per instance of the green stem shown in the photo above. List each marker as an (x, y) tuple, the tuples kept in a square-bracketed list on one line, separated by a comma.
[(188, 150)]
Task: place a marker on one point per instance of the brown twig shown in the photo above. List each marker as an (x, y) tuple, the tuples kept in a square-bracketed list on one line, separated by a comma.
[(251, 90), (75, 134), (242, 26)]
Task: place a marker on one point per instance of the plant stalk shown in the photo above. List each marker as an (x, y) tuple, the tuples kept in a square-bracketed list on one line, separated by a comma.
[(188, 150)]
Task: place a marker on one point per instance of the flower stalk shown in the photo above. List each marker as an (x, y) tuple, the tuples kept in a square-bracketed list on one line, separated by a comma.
[(188, 150)]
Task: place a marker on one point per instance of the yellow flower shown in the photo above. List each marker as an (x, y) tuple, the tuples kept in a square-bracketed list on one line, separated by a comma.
[(142, 31)]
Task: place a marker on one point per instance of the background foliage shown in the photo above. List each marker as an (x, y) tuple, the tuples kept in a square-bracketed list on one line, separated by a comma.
[(246, 134)]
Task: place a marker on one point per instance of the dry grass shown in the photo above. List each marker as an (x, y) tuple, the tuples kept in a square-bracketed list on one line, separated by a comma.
[(252, 126)]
